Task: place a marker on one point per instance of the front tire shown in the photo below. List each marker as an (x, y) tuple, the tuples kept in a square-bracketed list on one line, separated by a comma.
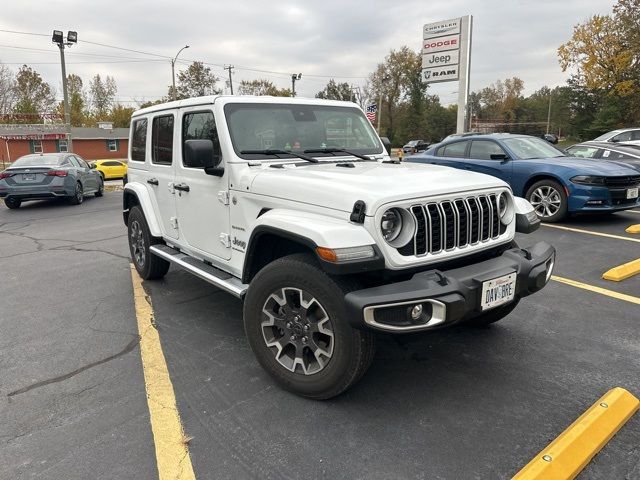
[(149, 266), (296, 324), (549, 200), (12, 202)]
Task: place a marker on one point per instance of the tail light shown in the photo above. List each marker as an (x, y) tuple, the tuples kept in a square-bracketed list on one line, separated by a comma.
[(57, 173), (5, 175)]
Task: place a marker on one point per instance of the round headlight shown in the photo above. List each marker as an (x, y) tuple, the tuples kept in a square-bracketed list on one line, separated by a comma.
[(505, 208), (391, 224)]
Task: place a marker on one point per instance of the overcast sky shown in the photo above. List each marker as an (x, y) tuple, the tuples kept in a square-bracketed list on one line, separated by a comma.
[(330, 38)]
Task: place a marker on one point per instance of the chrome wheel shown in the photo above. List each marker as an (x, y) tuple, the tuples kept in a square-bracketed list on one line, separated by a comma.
[(297, 330), (546, 201), (79, 194), (136, 240)]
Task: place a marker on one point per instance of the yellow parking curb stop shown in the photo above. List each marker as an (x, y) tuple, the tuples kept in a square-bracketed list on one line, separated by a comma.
[(633, 229), (574, 448), (622, 272)]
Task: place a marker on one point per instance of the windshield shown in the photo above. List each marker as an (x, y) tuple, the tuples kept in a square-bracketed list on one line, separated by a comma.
[(268, 126), (606, 135), (527, 148), (37, 161)]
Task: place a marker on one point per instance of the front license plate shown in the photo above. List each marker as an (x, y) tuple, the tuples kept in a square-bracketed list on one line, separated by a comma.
[(632, 193), (498, 291), (28, 177)]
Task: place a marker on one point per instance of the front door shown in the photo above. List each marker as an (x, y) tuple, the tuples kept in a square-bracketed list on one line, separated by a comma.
[(201, 200), (480, 158), (161, 174)]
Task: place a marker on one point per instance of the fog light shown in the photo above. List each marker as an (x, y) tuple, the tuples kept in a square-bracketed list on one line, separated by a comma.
[(416, 311), (550, 264)]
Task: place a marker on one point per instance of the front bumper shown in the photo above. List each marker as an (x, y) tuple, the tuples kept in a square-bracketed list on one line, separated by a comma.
[(449, 297)]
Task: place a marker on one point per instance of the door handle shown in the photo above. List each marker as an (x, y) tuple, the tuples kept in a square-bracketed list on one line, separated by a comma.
[(182, 187), (152, 181)]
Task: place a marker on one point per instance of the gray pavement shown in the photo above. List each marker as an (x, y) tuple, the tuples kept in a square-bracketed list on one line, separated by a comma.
[(457, 403)]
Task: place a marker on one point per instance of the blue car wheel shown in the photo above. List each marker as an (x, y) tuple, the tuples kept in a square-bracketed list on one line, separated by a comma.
[(548, 200)]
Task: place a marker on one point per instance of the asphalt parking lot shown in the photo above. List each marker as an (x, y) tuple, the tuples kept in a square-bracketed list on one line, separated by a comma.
[(453, 404)]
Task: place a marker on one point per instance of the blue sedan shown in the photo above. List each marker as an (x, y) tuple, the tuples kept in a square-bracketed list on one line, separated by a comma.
[(554, 183)]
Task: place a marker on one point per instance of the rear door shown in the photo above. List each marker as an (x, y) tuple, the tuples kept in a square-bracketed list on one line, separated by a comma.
[(480, 159), (90, 177), (202, 200), (160, 178), (451, 155)]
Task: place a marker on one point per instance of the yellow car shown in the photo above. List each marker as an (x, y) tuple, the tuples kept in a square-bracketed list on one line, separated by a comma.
[(111, 169)]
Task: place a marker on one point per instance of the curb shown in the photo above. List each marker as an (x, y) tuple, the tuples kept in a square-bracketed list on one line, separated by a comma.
[(622, 272)]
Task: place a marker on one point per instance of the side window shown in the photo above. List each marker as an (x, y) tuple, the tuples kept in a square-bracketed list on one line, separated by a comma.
[(455, 149), (618, 156), (483, 149), (162, 140), (81, 162), (440, 152), (68, 162), (585, 152), (139, 140), (622, 137), (635, 135), (111, 164), (198, 126)]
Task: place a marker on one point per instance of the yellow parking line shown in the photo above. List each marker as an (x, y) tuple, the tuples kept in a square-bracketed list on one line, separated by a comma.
[(574, 448), (600, 290), (622, 272), (172, 453), (633, 229), (591, 232)]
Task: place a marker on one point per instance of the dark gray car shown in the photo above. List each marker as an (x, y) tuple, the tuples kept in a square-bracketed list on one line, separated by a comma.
[(49, 175)]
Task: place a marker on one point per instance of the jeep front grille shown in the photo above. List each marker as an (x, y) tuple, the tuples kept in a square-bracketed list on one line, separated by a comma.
[(451, 224)]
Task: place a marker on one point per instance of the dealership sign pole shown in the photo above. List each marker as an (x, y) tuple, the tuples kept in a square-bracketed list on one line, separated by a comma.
[(446, 57)]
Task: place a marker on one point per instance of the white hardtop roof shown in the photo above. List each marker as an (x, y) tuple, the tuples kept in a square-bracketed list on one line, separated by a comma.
[(210, 99)]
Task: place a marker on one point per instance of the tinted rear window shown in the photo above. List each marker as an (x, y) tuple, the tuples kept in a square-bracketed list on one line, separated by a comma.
[(139, 140), (39, 161), (162, 140)]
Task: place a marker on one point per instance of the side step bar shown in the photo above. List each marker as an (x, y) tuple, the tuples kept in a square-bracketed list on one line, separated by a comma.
[(213, 275)]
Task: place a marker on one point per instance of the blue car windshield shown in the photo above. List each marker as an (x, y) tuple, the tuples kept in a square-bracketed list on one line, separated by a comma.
[(527, 148)]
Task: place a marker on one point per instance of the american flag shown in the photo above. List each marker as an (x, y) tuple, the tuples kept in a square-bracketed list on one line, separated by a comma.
[(371, 112)]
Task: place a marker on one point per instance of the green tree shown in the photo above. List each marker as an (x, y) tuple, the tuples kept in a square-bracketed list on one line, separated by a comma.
[(102, 94), (77, 101), (32, 94), (262, 87), (196, 81), (336, 91)]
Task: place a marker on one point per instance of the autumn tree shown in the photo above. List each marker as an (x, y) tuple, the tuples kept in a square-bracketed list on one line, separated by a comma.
[(196, 81), (77, 101), (102, 96), (32, 94), (392, 80), (336, 91), (500, 100), (120, 115), (262, 87)]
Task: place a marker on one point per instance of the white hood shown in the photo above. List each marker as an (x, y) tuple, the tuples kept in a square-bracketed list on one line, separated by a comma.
[(331, 186)]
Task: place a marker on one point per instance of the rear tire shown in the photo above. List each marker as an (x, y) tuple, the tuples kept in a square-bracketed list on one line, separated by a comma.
[(149, 266), (297, 326), (12, 202), (78, 195)]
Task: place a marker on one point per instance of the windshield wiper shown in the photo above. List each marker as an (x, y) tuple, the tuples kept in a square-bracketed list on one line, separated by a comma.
[(276, 152), (338, 150)]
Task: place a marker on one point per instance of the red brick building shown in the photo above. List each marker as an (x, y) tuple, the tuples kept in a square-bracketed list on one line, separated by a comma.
[(89, 143)]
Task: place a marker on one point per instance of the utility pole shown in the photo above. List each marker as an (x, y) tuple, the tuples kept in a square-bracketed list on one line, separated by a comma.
[(230, 67), (549, 112), (173, 73), (294, 77), (58, 38)]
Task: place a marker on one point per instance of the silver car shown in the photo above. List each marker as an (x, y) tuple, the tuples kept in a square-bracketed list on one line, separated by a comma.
[(49, 175)]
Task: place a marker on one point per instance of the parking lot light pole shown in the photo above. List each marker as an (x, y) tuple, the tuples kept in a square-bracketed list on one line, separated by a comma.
[(294, 77), (173, 72), (58, 39)]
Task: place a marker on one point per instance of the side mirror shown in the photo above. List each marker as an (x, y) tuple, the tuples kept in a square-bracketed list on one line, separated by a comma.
[(615, 140), (500, 156), (202, 154), (387, 144)]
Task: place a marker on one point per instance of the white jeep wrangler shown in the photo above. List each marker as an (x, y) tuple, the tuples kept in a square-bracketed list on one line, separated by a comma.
[(295, 207)]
